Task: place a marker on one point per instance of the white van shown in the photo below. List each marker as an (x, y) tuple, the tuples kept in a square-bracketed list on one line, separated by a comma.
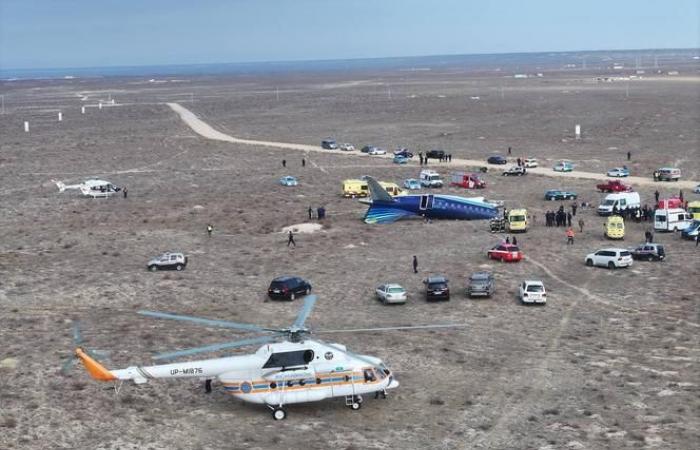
[(675, 219), (430, 178), (619, 201), (668, 174)]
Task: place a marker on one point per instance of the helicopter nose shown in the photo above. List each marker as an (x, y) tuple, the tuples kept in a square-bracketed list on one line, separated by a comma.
[(393, 383)]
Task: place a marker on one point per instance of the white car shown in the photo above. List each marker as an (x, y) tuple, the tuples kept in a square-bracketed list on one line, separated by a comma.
[(530, 163), (696, 189), (168, 261), (346, 147), (612, 258), (533, 291), (376, 151), (618, 172), (391, 293)]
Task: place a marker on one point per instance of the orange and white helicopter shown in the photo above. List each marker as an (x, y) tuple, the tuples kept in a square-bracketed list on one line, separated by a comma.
[(299, 369)]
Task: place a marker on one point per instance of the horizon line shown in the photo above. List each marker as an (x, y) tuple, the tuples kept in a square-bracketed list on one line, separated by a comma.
[(297, 61)]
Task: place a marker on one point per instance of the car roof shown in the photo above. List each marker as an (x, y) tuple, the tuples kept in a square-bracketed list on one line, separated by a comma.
[(285, 278), (534, 282), (480, 275), (393, 285), (612, 249)]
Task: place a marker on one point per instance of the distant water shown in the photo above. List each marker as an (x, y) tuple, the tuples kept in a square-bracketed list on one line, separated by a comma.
[(482, 62)]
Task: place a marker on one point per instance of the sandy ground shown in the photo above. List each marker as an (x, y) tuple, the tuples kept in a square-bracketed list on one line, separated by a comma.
[(610, 362)]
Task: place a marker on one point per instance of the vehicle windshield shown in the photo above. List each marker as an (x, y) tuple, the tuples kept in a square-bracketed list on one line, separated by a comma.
[(535, 288), (437, 286), (609, 202), (625, 254), (395, 290), (517, 218), (434, 177), (277, 285), (694, 209)]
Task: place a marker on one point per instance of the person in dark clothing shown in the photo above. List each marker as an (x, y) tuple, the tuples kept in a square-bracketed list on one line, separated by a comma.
[(518, 162), (568, 219), (507, 239), (290, 239), (421, 159), (574, 207), (303, 162), (580, 225), (629, 156), (311, 213), (320, 213), (415, 264), (656, 196), (207, 386), (515, 240), (680, 195), (284, 163), (505, 213), (509, 151), (125, 191)]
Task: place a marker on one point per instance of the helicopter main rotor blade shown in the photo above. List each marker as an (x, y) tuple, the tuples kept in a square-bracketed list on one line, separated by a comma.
[(350, 354), (305, 311), (208, 322), (222, 346), (70, 362), (77, 336), (408, 327)]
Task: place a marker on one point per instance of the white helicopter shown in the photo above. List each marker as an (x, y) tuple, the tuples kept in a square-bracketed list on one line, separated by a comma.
[(93, 187), (297, 370)]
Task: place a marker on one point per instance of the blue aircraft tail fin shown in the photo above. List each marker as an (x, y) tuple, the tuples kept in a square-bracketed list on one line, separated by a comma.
[(377, 192), (379, 213)]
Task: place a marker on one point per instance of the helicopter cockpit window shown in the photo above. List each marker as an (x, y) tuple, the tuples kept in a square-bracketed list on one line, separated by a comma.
[(369, 375), (289, 359)]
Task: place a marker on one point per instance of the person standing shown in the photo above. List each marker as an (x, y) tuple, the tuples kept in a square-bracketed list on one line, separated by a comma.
[(311, 212), (284, 163), (656, 196), (629, 156), (580, 225), (568, 219), (509, 151), (574, 207), (125, 191), (303, 162), (569, 236), (210, 228), (290, 239), (680, 195), (507, 239), (515, 240), (415, 264)]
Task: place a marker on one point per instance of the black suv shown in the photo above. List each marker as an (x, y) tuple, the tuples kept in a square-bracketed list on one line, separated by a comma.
[(288, 288), (649, 252), (329, 144), (437, 288), (435, 154), (480, 283)]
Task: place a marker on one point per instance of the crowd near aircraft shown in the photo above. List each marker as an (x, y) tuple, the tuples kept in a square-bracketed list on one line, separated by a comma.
[(298, 369), (383, 208)]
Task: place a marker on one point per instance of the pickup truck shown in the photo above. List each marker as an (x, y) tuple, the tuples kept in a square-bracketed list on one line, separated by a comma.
[(613, 186)]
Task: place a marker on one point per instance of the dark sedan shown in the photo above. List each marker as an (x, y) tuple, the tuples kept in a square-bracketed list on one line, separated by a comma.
[(556, 194), (288, 288), (497, 159)]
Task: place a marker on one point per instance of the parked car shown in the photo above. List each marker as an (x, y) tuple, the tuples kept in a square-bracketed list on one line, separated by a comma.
[(430, 178), (531, 162), (467, 180), (668, 174), (346, 147), (480, 283), (403, 152), (614, 227), (533, 292), (563, 166), (618, 202), (412, 184), (288, 288), (619, 172), (168, 261), (691, 230), (367, 148), (497, 159), (329, 144), (288, 181), (437, 288), (612, 258), (558, 194), (435, 154), (613, 186), (505, 252), (649, 251), (515, 171), (377, 151), (696, 189), (391, 293), (398, 159)]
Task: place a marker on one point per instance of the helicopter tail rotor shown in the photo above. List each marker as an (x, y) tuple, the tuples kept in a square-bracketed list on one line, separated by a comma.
[(78, 343)]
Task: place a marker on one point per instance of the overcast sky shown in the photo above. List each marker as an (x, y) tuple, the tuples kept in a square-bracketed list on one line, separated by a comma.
[(89, 33)]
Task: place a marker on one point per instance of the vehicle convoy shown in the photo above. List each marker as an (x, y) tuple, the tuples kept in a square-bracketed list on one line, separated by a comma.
[(532, 292), (329, 144), (558, 194), (613, 186), (618, 202), (430, 178), (168, 261), (505, 253), (517, 220), (497, 159), (436, 288), (668, 174), (618, 172), (692, 230), (480, 283), (649, 252), (614, 227), (288, 288), (674, 219), (467, 180), (612, 258), (515, 171), (391, 293)]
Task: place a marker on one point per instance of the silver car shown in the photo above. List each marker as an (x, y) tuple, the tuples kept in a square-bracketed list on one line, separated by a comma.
[(391, 293), (480, 283)]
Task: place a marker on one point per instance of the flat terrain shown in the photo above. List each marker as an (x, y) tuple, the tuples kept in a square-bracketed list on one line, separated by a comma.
[(610, 362)]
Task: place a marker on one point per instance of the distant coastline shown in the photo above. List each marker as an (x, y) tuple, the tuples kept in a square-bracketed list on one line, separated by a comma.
[(474, 62)]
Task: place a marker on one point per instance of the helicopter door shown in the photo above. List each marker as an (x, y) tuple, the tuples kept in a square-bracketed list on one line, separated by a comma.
[(426, 202)]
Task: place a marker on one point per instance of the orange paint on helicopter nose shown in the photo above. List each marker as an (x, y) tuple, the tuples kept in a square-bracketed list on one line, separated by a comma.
[(95, 369)]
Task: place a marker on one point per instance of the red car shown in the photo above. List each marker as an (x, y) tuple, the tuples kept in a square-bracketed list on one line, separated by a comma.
[(614, 186), (505, 252)]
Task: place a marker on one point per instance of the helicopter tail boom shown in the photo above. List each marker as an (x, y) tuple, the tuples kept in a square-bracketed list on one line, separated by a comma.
[(95, 369)]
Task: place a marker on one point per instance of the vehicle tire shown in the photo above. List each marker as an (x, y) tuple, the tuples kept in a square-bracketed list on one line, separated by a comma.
[(589, 262), (153, 268), (292, 296), (355, 406), (279, 414), (611, 265), (178, 267), (308, 290)]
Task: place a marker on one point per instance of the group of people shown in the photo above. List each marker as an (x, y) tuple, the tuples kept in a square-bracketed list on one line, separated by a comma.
[(320, 213), (560, 218), (303, 162), (423, 160), (645, 213)]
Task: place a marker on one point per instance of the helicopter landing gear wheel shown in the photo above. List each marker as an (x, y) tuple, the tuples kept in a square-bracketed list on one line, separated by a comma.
[(279, 413), (355, 406), (358, 399)]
